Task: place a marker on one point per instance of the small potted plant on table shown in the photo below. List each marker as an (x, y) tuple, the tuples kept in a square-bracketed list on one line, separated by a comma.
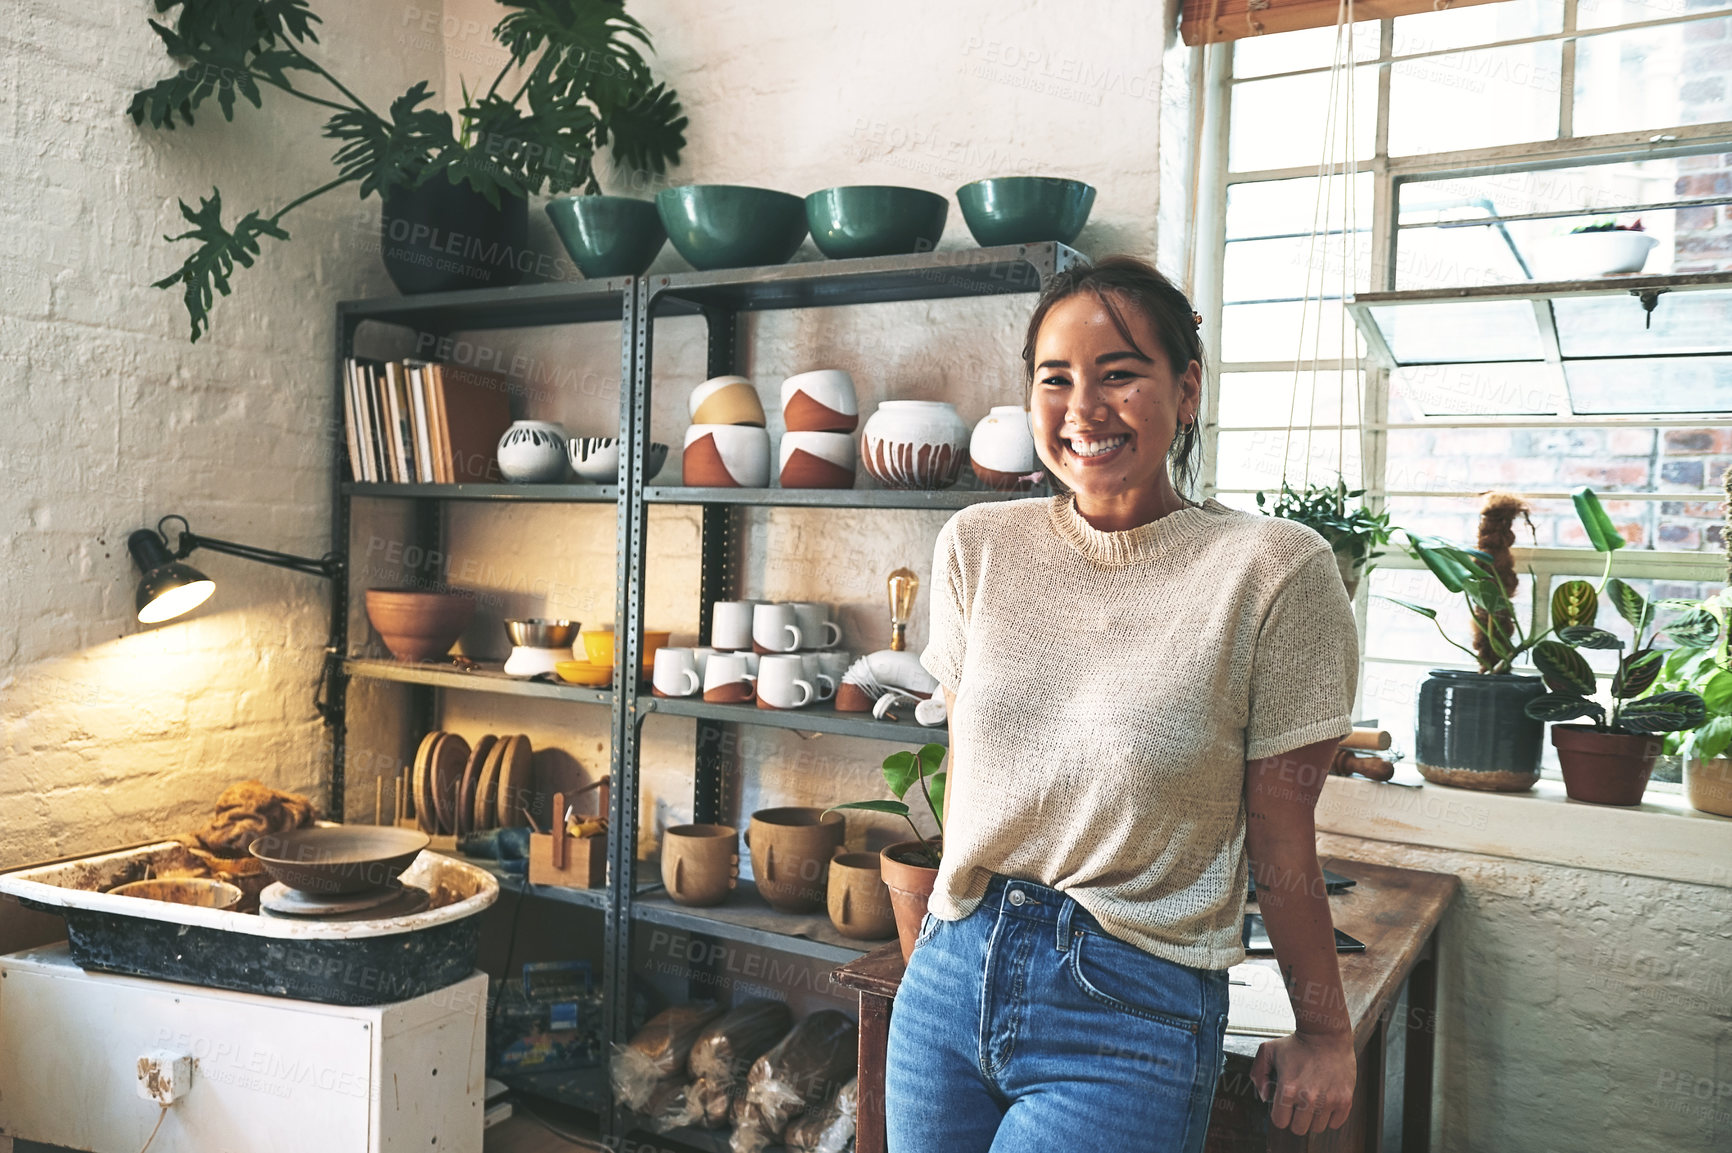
[(1609, 761), (910, 868)]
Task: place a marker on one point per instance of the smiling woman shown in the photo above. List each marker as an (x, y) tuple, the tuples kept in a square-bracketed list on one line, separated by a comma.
[(1145, 695)]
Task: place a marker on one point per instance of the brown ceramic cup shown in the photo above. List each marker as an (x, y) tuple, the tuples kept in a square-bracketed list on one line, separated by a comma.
[(700, 863), (791, 850), (859, 902)]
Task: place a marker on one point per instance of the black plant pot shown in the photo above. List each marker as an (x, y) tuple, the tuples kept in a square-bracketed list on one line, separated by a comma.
[(1474, 732), (443, 236)]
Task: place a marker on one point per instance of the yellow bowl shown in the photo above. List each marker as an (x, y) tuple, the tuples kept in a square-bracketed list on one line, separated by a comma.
[(651, 642), (598, 644), (584, 673)]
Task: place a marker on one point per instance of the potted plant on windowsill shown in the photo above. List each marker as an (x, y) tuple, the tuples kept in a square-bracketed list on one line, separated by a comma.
[(910, 868), (1472, 730), (1609, 761), (1707, 672), (1356, 534), (574, 81)]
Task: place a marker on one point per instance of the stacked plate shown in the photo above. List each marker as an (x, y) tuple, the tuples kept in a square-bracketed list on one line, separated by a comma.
[(459, 789)]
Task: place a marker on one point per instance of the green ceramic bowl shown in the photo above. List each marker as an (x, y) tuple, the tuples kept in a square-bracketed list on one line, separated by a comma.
[(875, 220), (608, 235), (1025, 209), (731, 225)]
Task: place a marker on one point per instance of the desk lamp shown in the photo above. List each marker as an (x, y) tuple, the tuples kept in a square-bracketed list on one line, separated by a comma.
[(170, 588)]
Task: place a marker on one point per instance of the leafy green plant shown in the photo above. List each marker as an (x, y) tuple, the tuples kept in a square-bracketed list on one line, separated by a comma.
[(1610, 224), (1638, 704), (902, 771), (579, 83), (1705, 670), (1357, 532)]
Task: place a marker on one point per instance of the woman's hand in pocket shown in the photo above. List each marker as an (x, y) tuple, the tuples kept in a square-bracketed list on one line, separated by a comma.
[(1307, 1080)]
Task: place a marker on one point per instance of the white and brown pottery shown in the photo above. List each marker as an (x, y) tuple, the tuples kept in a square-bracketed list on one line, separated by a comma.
[(820, 401), (914, 444)]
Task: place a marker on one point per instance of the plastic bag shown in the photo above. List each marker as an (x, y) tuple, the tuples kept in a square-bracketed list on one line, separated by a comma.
[(658, 1053), (724, 1053), (828, 1128), (800, 1071)]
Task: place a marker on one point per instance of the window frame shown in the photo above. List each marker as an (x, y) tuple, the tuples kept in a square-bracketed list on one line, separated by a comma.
[(1212, 86)]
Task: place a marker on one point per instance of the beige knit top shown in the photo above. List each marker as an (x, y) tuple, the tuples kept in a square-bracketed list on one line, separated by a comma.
[(1110, 687)]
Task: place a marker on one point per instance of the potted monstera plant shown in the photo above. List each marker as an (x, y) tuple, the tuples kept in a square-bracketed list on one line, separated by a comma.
[(1473, 730), (910, 868), (574, 81), (1356, 534), (1608, 761)]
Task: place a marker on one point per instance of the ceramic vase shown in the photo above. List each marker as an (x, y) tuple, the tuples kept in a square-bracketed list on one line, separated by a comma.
[(727, 456), (859, 903), (1473, 731), (791, 850), (596, 459), (820, 401), (1002, 450), (816, 460), (914, 444), (533, 452)]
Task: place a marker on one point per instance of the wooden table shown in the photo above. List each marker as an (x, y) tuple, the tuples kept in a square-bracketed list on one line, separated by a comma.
[(1391, 993)]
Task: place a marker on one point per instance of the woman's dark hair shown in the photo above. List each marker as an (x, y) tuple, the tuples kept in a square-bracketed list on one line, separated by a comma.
[(1119, 282)]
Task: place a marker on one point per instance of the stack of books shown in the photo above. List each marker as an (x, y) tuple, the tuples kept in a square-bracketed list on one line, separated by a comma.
[(417, 422)]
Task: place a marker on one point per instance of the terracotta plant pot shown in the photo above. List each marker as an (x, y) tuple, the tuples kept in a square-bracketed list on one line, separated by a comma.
[(700, 863), (1604, 768), (419, 626), (914, 444), (1708, 784), (859, 902), (791, 851), (910, 888)]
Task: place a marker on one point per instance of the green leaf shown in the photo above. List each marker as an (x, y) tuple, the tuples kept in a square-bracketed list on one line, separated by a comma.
[(901, 771), (1443, 559), (1564, 669), (1637, 673), (1716, 691), (1422, 610), (648, 133), (1713, 738), (1584, 637), (1663, 713), (1563, 707), (1681, 662), (385, 154), (1696, 627), (931, 757), (936, 784), (1575, 604), (1631, 605), (1602, 533), (896, 808), (208, 269)]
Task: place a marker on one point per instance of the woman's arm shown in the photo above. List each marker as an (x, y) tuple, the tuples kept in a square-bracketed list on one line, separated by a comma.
[(1314, 1069), (949, 711)]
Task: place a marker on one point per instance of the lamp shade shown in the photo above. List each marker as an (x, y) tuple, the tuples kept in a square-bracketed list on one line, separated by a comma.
[(169, 587)]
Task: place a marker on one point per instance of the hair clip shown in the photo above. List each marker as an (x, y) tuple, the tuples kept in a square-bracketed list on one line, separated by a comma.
[(1196, 320)]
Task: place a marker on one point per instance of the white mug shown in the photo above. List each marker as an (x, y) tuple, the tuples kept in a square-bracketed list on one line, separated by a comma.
[(782, 683), (816, 628), (835, 663), (774, 628), (821, 680), (728, 679), (676, 673), (731, 625), (701, 659)]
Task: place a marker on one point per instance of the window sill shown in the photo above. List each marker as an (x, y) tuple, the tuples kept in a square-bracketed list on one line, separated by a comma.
[(1663, 837)]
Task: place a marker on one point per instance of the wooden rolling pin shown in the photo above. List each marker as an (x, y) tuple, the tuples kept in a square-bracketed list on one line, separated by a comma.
[(1366, 764), (1367, 739)]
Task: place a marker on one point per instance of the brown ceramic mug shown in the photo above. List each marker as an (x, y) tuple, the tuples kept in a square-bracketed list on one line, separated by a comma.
[(859, 902), (791, 850), (700, 863)]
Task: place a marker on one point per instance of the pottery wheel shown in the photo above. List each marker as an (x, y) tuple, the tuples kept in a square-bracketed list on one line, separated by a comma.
[(278, 900)]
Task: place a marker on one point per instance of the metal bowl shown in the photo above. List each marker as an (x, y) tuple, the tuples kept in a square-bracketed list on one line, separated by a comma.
[(541, 632), (339, 858)]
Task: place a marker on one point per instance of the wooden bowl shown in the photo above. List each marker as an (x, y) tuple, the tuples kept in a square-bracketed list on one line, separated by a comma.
[(339, 858), (419, 626)]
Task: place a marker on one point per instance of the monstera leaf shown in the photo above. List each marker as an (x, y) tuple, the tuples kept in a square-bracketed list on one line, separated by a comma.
[(1575, 604), (208, 269), (1564, 669)]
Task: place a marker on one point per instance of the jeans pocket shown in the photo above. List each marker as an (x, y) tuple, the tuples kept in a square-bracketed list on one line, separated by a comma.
[(1125, 978), (928, 926)]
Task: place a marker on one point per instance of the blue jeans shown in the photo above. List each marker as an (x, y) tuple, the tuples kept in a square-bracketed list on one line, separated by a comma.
[(1026, 1027)]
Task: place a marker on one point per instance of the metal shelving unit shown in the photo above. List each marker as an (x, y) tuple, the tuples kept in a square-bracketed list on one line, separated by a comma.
[(719, 297)]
